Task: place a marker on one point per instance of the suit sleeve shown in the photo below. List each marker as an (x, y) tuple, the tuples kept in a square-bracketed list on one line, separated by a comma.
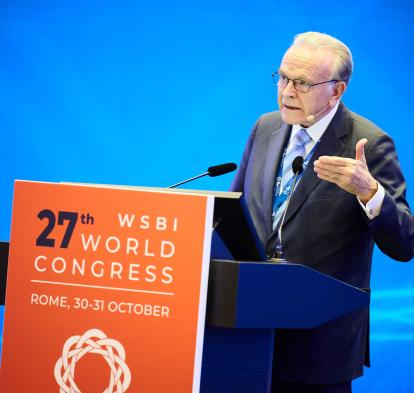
[(237, 184), (393, 228)]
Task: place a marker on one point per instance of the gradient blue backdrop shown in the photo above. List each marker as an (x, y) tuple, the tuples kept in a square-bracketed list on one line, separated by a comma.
[(149, 93)]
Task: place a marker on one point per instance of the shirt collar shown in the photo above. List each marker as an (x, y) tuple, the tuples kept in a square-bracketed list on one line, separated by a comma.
[(316, 130)]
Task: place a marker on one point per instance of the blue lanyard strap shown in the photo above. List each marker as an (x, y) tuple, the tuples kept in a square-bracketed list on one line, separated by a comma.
[(280, 196)]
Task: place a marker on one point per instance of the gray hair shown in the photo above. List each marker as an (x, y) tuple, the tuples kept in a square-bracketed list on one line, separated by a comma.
[(343, 63)]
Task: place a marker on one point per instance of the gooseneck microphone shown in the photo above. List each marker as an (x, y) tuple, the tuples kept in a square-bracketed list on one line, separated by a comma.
[(212, 171), (297, 168)]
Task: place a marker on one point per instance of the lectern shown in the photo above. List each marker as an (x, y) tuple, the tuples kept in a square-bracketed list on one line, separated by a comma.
[(248, 299)]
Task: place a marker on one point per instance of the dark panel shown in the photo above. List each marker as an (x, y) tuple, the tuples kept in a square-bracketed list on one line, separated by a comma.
[(233, 223), (4, 256), (222, 293)]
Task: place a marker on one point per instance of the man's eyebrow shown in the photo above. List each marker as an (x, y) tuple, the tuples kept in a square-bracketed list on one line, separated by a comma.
[(300, 77)]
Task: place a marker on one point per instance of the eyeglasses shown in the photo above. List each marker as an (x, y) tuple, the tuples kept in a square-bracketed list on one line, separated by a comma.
[(300, 85)]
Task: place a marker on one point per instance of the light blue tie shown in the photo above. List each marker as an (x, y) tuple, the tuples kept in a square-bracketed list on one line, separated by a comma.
[(297, 148)]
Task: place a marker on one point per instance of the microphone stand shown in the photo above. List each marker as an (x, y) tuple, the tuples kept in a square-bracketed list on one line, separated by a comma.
[(212, 171), (188, 180)]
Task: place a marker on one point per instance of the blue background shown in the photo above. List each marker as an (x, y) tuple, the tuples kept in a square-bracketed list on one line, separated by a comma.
[(149, 93)]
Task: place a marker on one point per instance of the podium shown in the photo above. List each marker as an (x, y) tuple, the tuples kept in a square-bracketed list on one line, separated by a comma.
[(248, 298), (242, 315)]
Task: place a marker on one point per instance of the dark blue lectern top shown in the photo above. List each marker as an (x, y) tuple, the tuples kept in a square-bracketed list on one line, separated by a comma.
[(276, 295), (292, 296)]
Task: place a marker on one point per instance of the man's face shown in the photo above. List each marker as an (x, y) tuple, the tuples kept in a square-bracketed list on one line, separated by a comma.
[(312, 66)]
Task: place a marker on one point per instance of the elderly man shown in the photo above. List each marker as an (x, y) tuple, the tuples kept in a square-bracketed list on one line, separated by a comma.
[(350, 196)]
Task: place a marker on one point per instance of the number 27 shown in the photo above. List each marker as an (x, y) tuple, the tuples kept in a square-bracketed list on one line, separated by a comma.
[(44, 240)]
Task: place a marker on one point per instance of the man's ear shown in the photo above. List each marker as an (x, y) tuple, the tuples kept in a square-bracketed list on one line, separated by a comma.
[(337, 93)]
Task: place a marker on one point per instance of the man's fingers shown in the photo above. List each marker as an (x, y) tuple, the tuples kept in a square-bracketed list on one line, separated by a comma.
[(359, 150), (334, 170), (336, 179), (341, 176), (334, 160)]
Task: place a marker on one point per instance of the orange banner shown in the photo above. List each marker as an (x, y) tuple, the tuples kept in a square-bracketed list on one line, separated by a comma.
[(106, 290)]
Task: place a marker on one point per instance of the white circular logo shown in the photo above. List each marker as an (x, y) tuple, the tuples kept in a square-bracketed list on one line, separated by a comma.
[(94, 341)]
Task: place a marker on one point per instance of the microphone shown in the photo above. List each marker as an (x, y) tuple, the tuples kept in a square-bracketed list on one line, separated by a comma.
[(212, 171), (222, 169), (297, 167), (311, 118)]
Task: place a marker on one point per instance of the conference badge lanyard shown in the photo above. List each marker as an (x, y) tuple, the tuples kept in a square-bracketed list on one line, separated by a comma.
[(280, 196)]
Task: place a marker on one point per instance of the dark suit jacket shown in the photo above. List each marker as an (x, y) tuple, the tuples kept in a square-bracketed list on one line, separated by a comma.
[(325, 228)]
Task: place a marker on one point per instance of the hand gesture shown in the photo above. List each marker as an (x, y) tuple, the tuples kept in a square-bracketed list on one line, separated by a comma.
[(352, 175)]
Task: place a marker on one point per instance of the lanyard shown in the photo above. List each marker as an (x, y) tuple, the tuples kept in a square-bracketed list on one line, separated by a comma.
[(280, 196)]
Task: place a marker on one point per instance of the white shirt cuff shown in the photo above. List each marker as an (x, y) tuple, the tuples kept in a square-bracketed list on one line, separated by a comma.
[(373, 206)]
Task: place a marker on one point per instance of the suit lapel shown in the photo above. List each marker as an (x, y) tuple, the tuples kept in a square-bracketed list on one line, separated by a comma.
[(332, 144), (277, 141)]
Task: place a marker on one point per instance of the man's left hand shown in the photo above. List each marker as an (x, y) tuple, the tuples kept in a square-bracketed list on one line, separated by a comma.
[(352, 175)]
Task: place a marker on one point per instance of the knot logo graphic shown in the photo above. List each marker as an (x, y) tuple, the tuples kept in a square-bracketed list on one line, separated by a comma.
[(94, 341)]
